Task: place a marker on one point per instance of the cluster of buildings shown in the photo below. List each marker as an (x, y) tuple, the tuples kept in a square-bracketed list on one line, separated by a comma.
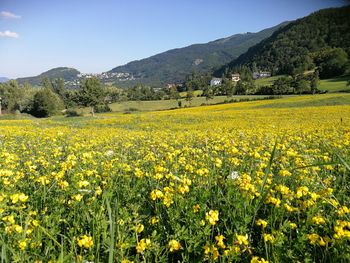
[(121, 76), (236, 77)]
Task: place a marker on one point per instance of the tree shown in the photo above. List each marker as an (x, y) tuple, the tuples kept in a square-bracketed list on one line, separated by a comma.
[(11, 94), (240, 88), (58, 87), (173, 93), (91, 93), (282, 86), (332, 63), (46, 103), (314, 81), (189, 95), (303, 86), (46, 83), (208, 93)]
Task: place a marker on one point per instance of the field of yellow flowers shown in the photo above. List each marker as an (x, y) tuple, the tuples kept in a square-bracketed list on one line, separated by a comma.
[(227, 183)]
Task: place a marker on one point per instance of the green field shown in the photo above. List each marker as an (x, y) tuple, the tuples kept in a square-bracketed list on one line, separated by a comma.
[(335, 84), (172, 104), (318, 100), (267, 81), (330, 85)]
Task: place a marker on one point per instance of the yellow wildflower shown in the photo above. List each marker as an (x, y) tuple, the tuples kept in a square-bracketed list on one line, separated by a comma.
[(174, 245), (212, 216)]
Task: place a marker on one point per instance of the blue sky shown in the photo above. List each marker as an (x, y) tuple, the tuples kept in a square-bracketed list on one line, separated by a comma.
[(97, 35)]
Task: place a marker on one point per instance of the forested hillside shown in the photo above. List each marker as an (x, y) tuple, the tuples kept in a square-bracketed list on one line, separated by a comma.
[(175, 65), (320, 38)]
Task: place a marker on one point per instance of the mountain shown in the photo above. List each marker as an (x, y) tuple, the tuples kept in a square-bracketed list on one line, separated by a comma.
[(298, 45), (68, 74), (174, 65), (3, 79)]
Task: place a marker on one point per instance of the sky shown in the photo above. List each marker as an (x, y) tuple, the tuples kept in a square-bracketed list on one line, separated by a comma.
[(95, 36)]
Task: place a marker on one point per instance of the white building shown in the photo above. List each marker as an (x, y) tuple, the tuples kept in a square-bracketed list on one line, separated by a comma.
[(215, 82), (235, 77), (261, 74)]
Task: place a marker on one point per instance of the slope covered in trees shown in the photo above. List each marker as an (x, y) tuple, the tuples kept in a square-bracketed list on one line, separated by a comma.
[(174, 65), (316, 40), (68, 74)]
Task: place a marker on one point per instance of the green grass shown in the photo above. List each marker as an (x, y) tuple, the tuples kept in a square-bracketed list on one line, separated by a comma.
[(331, 85), (267, 81), (308, 101), (196, 93), (335, 84), (172, 104)]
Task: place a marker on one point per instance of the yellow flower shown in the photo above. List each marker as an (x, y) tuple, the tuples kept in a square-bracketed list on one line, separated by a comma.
[(212, 216), (14, 198), (318, 220), (143, 245), (154, 220), (313, 238), (213, 250), (284, 173), (139, 228), (242, 239), (174, 245), (85, 241), (269, 238), (10, 219), (261, 223), (18, 228), (22, 244), (77, 197), (258, 260), (156, 194), (196, 208), (168, 200), (343, 210), (220, 240), (83, 184), (218, 162), (301, 191), (292, 225), (22, 197)]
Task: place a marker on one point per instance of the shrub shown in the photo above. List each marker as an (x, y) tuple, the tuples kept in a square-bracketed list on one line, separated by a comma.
[(102, 108), (46, 103), (72, 113)]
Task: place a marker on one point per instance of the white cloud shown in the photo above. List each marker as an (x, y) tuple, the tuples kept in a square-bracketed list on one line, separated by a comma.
[(8, 33), (9, 15)]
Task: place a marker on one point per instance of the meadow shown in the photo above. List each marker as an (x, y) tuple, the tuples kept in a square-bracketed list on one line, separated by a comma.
[(338, 84), (260, 181)]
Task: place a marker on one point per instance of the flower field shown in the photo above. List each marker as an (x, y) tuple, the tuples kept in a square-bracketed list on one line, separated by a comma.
[(227, 183)]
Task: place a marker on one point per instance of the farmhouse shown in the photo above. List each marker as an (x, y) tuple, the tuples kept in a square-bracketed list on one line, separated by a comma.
[(235, 77), (215, 82)]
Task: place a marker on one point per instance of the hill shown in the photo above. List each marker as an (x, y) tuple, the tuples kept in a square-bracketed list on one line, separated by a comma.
[(298, 45), (68, 74), (174, 65)]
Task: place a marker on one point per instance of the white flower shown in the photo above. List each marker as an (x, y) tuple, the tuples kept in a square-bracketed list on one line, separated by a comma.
[(109, 153), (233, 176)]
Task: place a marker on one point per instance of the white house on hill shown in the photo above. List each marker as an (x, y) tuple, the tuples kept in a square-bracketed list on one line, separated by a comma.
[(215, 82), (235, 77)]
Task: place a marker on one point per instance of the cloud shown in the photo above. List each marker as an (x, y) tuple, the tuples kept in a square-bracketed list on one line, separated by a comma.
[(9, 15), (8, 33)]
